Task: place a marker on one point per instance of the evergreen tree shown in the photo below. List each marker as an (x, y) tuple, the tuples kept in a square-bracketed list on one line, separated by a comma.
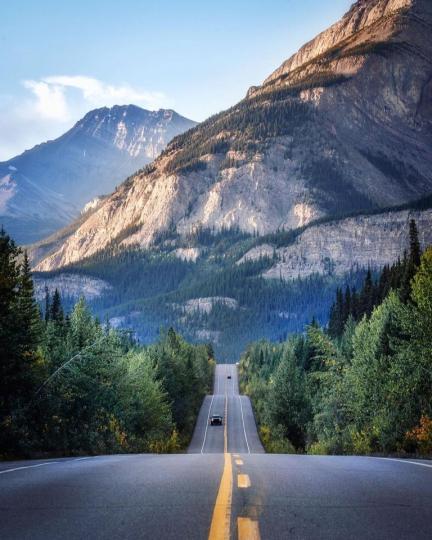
[(288, 407), (347, 307), (367, 295), (354, 304), (47, 304), (19, 337), (336, 322), (56, 309), (415, 250), (28, 313), (9, 359), (83, 328), (412, 262)]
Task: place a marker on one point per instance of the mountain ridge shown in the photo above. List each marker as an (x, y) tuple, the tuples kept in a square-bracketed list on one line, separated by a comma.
[(285, 157), (97, 153)]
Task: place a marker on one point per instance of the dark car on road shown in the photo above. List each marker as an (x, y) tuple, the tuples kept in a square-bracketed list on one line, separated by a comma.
[(216, 420), (229, 377)]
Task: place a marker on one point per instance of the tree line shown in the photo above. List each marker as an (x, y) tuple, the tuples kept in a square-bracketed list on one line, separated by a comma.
[(361, 385), (72, 385)]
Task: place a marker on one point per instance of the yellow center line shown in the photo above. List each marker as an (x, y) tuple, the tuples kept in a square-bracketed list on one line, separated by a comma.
[(220, 527), (243, 481), (226, 425), (239, 462), (248, 529)]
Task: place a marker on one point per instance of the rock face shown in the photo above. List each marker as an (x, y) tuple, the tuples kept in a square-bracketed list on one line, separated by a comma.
[(44, 188), (205, 305), (344, 125), (72, 286), (351, 244)]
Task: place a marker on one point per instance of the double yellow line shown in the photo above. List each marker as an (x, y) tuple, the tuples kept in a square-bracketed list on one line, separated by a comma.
[(221, 521)]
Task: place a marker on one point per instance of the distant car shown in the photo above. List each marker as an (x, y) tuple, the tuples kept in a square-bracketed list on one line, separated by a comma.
[(216, 420), (229, 377)]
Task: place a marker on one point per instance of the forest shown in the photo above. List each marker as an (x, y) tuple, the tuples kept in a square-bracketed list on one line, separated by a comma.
[(70, 385), (361, 384), (149, 288)]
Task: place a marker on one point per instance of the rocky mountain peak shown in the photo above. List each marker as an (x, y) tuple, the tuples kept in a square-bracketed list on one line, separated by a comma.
[(367, 22), (345, 125), (44, 188)]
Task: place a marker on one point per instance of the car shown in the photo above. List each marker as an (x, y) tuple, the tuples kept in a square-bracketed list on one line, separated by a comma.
[(216, 420), (229, 377)]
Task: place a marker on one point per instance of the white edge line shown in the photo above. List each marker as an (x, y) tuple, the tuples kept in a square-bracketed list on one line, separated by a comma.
[(207, 424), (244, 429), (28, 467), (408, 461)]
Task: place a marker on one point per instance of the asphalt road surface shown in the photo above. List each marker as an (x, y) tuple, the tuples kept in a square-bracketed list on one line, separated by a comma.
[(225, 487), (242, 436)]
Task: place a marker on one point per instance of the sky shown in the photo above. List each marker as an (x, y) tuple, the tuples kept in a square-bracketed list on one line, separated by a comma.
[(60, 59)]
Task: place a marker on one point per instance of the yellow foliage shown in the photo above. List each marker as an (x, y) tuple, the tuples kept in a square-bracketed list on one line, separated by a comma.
[(422, 435), (163, 446), (274, 443), (318, 449), (361, 442)]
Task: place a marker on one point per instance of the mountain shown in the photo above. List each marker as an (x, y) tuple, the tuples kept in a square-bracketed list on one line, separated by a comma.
[(232, 288), (245, 225), (344, 125), (44, 188)]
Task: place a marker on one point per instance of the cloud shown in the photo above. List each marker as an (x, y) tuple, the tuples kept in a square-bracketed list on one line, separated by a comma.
[(50, 101), (98, 93), (51, 105)]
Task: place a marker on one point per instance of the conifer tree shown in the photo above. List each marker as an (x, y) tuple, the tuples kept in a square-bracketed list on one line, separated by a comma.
[(367, 295), (28, 312), (9, 281), (415, 250), (346, 306), (47, 304), (412, 262), (56, 309)]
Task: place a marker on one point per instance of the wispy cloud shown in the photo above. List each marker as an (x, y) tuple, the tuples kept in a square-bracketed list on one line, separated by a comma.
[(51, 105), (49, 101), (97, 92)]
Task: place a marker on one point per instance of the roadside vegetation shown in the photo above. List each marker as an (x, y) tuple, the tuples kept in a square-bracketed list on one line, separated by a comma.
[(71, 385), (362, 384)]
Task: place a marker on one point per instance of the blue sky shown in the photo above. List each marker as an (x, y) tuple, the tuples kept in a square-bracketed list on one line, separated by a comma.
[(60, 59)]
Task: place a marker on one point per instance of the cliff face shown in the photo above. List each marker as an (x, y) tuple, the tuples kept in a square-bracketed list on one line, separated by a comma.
[(45, 188), (342, 246), (367, 22), (344, 125)]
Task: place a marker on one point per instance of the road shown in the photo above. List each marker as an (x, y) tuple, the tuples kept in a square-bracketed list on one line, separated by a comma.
[(242, 436), (224, 487)]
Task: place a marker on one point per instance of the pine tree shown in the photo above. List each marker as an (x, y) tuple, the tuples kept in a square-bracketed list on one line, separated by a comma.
[(9, 281), (336, 322), (28, 312), (354, 304), (56, 309), (19, 335), (47, 304), (347, 307), (288, 404), (415, 250), (367, 295), (412, 262)]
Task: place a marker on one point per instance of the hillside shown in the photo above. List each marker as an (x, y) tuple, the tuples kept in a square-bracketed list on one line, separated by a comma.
[(342, 126), (46, 187), (232, 288)]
